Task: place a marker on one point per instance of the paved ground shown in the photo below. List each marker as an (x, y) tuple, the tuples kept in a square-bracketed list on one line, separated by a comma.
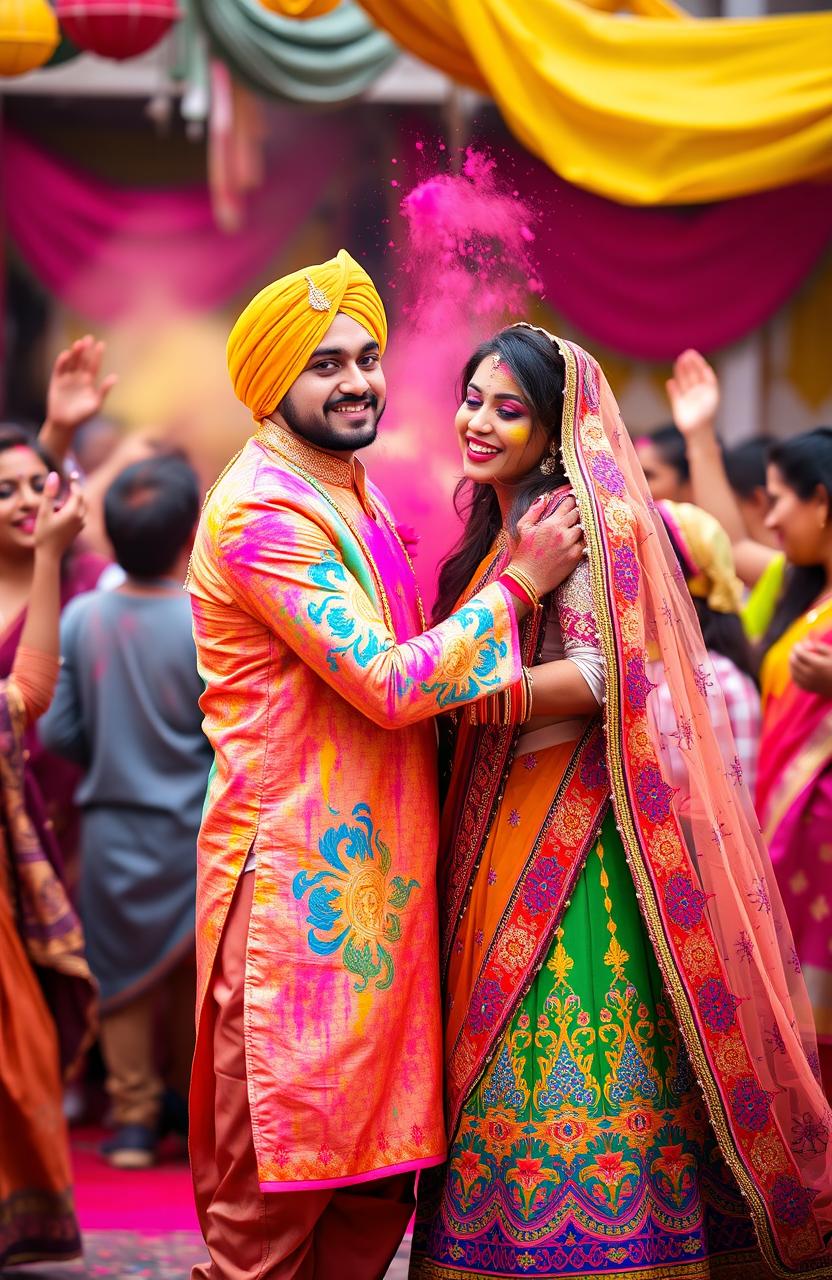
[(118, 1256)]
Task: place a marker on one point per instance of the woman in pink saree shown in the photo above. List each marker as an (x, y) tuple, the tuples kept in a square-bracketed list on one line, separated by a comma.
[(794, 792), (631, 1063)]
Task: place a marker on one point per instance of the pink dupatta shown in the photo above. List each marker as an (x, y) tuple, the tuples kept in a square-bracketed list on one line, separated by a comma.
[(794, 801), (701, 870)]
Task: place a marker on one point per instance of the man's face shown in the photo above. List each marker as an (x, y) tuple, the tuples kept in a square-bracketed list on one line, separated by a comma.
[(338, 399)]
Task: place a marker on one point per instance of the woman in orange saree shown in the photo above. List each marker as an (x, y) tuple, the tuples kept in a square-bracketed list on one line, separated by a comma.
[(46, 991), (631, 1063), (794, 792)]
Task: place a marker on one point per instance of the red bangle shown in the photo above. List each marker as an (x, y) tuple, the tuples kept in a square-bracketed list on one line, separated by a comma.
[(512, 585)]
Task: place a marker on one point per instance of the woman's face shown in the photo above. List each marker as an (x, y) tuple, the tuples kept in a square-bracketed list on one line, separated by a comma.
[(498, 438), (22, 477), (801, 524), (664, 481)]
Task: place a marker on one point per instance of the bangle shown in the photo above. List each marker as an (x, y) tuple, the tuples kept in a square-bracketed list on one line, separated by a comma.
[(528, 689), (521, 586)]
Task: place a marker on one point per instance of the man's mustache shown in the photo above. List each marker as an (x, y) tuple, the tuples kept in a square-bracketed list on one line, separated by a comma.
[(369, 397)]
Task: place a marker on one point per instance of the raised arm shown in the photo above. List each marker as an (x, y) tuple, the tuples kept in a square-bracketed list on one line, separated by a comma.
[(76, 393), (284, 570), (35, 668), (694, 399)]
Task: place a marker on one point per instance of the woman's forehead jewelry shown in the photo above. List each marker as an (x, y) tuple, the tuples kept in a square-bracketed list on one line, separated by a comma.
[(496, 361)]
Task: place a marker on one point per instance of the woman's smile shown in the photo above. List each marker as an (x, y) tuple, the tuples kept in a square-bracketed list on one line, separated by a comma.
[(498, 438)]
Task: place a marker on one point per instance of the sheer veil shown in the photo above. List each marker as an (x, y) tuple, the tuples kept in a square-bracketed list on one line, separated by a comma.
[(701, 870)]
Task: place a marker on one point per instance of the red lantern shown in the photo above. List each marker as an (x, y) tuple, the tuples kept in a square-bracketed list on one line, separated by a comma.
[(116, 28)]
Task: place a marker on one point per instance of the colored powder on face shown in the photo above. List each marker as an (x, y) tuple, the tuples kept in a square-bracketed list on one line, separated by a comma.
[(516, 434), (461, 268)]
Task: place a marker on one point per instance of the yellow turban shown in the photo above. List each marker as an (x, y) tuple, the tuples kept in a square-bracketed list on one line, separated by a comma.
[(707, 549), (280, 328)]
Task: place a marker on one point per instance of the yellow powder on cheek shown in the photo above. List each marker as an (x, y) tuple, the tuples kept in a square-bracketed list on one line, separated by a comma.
[(518, 434)]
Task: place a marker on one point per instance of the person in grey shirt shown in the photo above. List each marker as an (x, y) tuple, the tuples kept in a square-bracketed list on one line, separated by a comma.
[(127, 710)]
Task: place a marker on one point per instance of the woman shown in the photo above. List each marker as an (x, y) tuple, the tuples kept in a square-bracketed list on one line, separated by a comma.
[(703, 550), (577, 1018), (50, 781), (664, 463), (794, 794), (41, 948)]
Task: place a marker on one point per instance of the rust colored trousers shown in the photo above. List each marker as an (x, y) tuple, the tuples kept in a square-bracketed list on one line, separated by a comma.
[(350, 1233)]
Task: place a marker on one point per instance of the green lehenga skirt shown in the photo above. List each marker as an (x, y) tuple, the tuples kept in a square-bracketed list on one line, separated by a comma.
[(585, 1148)]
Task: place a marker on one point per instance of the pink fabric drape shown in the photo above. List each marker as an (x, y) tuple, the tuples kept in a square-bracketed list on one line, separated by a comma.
[(105, 249), (644, 282), (650, 282)]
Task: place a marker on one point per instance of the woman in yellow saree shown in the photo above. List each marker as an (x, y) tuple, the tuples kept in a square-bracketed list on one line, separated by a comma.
[(631, 1064)]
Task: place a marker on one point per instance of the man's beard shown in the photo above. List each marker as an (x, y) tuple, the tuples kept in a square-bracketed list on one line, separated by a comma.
[(317, 429)]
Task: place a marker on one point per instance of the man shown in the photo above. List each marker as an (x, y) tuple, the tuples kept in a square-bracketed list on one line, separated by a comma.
[(317, 1080)]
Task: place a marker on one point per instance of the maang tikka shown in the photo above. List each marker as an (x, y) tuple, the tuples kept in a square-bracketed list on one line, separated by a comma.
[(549, 464)]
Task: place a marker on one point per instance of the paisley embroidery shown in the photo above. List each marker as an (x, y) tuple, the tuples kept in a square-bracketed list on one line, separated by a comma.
[(342, 611), (464, 674), (353, 906)]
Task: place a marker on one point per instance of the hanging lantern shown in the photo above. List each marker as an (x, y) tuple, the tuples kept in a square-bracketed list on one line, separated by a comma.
[(116, 28), (28, 35)]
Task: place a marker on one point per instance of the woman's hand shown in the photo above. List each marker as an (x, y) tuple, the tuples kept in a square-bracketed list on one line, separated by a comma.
[(548, 546), (810, 666), (57, 527), (76, 393), (694, 394)]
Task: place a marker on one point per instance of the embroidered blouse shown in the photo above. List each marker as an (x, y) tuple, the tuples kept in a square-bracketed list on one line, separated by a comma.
[(571, 634)]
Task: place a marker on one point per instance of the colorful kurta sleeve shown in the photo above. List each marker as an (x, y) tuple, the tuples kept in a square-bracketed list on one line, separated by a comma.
[(283, 568)]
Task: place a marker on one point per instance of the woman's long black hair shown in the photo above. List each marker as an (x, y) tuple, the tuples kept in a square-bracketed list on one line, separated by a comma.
[(804, 462), (539, 371), (15, 437)]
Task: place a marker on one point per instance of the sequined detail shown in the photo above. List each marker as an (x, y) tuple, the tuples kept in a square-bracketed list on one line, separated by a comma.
[(318, 300)]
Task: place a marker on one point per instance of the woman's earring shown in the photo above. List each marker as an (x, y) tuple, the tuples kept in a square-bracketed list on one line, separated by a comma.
[(549, 465)]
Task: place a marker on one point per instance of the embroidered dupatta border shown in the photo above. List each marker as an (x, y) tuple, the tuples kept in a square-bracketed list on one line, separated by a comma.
[(785, 1246), (584, 788)]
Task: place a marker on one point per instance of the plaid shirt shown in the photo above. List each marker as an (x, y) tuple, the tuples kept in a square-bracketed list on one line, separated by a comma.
[(742, 704), (742, 701)]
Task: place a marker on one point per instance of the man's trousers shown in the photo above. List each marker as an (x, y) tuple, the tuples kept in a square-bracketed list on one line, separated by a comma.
[(350, 1233)]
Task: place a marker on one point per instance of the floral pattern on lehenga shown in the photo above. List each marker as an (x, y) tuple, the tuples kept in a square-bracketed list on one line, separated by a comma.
[(585, 1147)]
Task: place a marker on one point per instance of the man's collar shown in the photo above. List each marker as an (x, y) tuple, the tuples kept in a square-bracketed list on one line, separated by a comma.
[(326, 468)]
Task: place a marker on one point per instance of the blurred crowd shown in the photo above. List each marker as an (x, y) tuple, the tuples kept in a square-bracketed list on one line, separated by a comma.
[(105, 765)]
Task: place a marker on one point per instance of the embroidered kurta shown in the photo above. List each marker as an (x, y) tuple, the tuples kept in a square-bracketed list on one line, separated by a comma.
[(319, 695)]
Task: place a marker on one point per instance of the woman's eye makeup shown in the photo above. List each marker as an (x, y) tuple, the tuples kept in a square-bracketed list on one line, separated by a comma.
[(38, 484), (7, 490), (473, 400), (510, 409)]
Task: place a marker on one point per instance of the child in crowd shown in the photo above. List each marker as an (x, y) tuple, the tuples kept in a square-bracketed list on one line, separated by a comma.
[(126, 709)]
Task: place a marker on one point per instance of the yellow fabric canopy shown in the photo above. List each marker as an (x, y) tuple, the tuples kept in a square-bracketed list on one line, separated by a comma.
[(641, 111)]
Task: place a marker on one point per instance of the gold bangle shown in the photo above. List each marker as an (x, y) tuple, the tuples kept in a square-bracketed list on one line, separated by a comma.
[(525, 583), (529, 690)]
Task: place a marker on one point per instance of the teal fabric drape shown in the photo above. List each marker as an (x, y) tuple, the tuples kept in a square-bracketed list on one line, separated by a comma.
[(324, 60)]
